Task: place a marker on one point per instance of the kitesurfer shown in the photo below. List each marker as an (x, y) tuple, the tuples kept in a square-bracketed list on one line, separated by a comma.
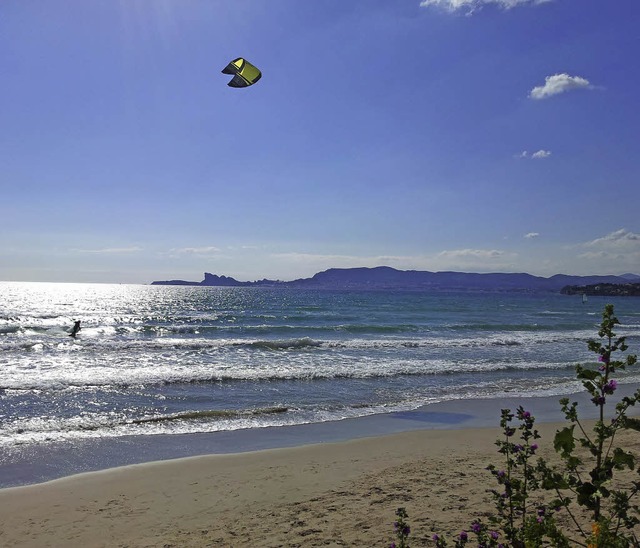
[(76, 328)]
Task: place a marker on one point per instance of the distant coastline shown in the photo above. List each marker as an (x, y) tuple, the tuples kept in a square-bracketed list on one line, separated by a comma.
[(604, 290), (384, 277)]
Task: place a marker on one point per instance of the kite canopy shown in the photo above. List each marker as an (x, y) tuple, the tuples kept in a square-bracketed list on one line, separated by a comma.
[(245, 74)]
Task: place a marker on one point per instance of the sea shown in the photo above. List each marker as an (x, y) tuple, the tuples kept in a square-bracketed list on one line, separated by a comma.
[(171, 360)]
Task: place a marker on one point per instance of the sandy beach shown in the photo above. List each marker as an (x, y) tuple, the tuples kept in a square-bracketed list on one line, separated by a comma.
[(328, 494)]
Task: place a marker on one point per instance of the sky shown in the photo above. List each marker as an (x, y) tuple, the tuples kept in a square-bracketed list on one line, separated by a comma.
[(467, 135)]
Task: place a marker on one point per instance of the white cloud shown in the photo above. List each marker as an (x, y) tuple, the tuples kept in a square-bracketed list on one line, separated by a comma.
[(616, 260), (594, 255), (471, 254), (201, 252), (207, 250), (618, 238), (558, 83), (541, 154), (532, 235), (535, 156), (341, 261), (110, 250), (474, 5)]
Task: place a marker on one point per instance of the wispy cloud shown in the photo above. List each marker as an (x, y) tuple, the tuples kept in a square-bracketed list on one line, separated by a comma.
[(341, 261), (558, 83), (472, 254), (205, 251), (471, 6), (475, 260), (531, 235), (618, 238), (540, 154), (110, 250), (614, 259), (595, 255)]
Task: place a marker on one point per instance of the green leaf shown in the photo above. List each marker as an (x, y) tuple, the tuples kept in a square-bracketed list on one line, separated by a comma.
[(631, 423), (585, 493), (564, 442), (622, 459), (588, 374)]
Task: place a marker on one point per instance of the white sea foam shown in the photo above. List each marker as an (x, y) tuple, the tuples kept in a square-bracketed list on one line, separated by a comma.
[(173, 353)]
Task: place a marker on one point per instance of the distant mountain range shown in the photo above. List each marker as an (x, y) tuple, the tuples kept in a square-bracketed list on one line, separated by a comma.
[(384, 277)]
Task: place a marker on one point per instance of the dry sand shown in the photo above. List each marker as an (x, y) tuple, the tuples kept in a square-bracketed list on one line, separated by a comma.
[(334, 494)]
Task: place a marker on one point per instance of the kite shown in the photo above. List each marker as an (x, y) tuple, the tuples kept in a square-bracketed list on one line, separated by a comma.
[(245, 74)]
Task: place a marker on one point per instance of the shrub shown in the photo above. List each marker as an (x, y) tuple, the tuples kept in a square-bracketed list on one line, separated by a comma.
[(584, 479)]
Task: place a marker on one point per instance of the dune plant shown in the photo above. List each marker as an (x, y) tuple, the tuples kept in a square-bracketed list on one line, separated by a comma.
[(531, 495)]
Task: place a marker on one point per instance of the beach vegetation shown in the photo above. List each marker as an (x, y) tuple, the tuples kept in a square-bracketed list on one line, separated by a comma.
[(402, 529), (579, 498)]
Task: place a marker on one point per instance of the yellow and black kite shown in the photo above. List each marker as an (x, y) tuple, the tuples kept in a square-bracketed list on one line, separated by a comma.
[(245, 74)]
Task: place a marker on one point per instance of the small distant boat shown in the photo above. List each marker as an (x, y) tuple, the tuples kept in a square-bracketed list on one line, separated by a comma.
[(584, 298)]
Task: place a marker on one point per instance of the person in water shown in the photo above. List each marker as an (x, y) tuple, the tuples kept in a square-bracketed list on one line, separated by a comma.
[(76, 328)]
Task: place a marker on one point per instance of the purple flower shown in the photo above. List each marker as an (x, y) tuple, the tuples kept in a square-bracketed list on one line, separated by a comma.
[(392, 545), (501, 474), (494, 535), (463, 535), (610, 387), (436, 538), (603, 358), (534, 448), (476, 527), (526, 415), (599, 400)]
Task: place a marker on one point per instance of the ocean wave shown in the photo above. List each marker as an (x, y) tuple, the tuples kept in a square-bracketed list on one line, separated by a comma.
[(99, 425), (305, 342), (101, 378), (107, 339), (209, 414)]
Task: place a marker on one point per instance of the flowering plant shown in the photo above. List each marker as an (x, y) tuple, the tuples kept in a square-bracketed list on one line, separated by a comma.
[(589, 482), (402, 529), (589, 460)]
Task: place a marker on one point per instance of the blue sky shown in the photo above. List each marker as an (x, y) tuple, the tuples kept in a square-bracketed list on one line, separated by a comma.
[(472, 135)]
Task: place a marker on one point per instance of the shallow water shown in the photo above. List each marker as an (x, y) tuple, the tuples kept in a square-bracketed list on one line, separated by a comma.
[(178, 360)]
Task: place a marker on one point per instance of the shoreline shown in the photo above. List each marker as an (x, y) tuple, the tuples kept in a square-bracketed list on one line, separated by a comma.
[(325, 494), (329, 493), (29, 465)]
